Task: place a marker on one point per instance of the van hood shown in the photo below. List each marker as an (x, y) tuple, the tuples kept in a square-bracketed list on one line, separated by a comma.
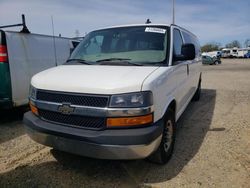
[(93, 79)]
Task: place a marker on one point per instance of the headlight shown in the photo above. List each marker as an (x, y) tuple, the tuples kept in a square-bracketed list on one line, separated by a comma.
[(32, 93), (132, 100)]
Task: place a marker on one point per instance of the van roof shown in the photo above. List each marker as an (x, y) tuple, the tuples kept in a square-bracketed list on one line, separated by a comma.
[(150, 24), (133, 25)]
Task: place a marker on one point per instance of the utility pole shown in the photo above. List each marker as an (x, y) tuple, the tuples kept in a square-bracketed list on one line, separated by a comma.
[(173, 16)]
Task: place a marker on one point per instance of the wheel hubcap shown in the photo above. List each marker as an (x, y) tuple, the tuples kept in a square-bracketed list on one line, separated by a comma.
[(168, 135)]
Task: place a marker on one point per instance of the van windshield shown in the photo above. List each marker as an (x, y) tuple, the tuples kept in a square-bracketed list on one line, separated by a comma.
[(136, 44)]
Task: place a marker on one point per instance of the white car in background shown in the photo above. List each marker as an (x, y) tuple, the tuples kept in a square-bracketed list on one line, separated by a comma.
[(212, 54), (242, 52)]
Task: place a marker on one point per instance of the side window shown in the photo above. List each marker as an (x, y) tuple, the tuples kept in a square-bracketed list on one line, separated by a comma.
[(177, 42), (187, 37)]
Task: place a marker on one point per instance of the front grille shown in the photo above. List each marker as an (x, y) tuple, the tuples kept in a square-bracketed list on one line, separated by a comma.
[(96, 123), (73, 98)]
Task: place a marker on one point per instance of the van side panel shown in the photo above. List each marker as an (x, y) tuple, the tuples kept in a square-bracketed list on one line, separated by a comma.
[(29, 54), (194, 65)]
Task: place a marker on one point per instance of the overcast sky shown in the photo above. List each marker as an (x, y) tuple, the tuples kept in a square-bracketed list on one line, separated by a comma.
[(211, 20)]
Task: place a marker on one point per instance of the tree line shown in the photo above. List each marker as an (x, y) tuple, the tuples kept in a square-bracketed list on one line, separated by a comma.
[(217, 46)]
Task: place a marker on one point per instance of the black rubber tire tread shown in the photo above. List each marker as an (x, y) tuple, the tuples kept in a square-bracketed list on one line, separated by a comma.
[(160, 156)]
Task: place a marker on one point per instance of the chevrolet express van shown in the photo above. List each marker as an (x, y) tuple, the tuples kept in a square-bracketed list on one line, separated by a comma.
[(21, 56), (119, 95)]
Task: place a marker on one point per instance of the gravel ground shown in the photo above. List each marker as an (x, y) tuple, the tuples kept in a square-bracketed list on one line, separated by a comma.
[(212, 146)]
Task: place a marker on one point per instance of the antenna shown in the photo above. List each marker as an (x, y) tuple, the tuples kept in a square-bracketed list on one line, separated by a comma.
[(173, 16), (54, 41)]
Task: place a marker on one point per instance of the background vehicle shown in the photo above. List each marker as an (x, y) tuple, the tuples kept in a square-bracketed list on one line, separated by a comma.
[(242, 52), (226, 52), (120, 93), (214, 54), (247, 55), (234, 53), (206, 59), (23, 54), (229, 52)]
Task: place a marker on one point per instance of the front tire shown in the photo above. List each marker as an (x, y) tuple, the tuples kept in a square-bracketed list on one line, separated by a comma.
[(164, 153)]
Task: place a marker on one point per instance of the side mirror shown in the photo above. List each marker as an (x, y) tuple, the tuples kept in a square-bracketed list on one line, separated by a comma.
[(187, 53)]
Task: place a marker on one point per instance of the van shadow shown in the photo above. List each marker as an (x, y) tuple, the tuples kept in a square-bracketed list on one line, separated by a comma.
[(75, 171), (11, 123)]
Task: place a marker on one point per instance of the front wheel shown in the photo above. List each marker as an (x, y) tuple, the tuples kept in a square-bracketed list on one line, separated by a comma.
[(216, 62), (163, 154)]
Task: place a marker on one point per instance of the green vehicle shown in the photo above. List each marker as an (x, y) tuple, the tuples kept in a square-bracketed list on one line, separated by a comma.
[(5, 84), (208, 60)]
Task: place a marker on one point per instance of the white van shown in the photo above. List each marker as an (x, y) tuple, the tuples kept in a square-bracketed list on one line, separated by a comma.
[(234, 52), (119, 95), (230, 52), (21, 56), (242, 52), (214, 54)]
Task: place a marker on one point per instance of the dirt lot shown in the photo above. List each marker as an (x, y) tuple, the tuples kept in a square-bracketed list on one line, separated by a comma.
[(212, 148)]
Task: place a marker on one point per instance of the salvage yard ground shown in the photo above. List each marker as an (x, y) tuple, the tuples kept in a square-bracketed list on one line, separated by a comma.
[(212, 146)]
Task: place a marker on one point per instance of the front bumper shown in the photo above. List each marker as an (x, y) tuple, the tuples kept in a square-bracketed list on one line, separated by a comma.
[(134, 143)]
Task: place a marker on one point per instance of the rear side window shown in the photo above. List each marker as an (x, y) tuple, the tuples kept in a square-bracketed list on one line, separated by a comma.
[(188, 38), (177, 42)]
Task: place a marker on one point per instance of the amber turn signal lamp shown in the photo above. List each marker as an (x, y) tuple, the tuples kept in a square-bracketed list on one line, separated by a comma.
[(34, 109), (130, 121)]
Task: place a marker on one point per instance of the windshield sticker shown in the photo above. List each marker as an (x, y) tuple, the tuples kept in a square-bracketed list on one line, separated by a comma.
[(155, 30)]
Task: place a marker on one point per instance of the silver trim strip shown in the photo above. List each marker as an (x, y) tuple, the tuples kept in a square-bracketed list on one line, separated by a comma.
[(95, 111)]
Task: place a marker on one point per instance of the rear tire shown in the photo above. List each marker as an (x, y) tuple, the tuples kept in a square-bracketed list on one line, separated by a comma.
[(164, 153)]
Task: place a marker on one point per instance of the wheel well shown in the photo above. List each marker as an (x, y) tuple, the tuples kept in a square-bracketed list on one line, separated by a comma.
[(172, 107)]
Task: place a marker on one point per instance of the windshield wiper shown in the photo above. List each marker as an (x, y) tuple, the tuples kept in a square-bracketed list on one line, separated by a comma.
[(116, 61), (119, 63), (82, 61), (113, 59)]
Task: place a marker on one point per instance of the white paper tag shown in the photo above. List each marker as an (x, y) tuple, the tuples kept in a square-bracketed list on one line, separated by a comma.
[(155, 30)]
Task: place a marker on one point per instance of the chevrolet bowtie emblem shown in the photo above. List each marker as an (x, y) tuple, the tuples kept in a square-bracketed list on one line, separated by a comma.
[(66, 109)]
